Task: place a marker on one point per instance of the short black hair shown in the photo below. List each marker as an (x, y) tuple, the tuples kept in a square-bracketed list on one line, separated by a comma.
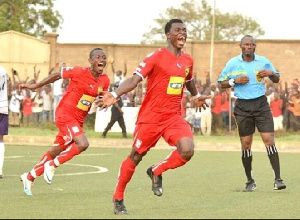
[(169, 24), (245, 37), (95, 49)]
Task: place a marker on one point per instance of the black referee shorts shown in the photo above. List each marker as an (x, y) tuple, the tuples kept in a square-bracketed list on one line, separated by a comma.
[(253, 113), (3, 124)]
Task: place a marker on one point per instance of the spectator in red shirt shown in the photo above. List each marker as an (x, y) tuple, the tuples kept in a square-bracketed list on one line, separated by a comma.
[(27, 109), (86, 83), (216, 103), (225, 109), (295, 102), (276, 105)]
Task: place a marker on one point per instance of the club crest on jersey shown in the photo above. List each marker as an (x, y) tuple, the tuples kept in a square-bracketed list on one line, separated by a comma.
[(187, 70), (175, 85), (100, 89)]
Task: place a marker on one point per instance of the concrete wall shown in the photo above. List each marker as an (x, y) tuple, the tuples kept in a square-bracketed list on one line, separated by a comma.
[(284, 54), (22, 52)]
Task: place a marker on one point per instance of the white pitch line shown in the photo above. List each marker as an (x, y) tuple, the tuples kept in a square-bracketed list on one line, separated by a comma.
[(81, 155), (98, 168)]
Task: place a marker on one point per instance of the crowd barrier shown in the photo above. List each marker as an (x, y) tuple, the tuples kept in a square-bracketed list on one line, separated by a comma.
[(103, 117)]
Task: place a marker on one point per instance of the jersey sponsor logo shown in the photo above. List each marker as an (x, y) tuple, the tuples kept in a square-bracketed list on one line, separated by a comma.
[(85, 102), (138, 143), (175, 85)]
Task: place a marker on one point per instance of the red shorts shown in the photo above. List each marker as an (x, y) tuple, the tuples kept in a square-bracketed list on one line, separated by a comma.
[(68, 128), (147, 135)]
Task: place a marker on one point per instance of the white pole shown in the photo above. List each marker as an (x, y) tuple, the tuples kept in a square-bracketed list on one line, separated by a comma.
[(230, 103), (212, 44)]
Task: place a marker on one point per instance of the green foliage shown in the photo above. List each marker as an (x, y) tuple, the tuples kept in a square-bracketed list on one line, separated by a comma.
[(32, 17), (199, 22), (208, 187), (234, 26)]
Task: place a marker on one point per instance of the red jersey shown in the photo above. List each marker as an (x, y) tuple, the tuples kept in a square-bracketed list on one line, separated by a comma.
[(82, 90), (217, 100), (276, 107), (224, 102), (167, 75), (27, 106)]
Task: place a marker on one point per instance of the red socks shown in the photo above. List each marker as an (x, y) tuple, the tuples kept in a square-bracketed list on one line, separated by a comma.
[(126, 171), (172, 161), (38, 169), (66, 155)]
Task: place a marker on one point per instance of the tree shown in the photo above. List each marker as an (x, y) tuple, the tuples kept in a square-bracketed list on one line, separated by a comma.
[(32, 17), (198, 19)]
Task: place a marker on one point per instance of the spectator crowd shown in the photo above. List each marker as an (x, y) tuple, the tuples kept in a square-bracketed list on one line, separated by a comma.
[(37, 108)]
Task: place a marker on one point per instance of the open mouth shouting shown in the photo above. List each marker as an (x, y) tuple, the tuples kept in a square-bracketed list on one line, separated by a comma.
[(100, 66), (181, 41)]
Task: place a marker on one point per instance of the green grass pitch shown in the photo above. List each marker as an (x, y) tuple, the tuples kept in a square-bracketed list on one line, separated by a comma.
[(208, 187)]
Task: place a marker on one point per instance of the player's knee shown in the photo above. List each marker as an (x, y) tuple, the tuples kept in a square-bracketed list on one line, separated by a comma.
[(55, 151), (186, 148), (83, 146), (187, 153), (135, 157)]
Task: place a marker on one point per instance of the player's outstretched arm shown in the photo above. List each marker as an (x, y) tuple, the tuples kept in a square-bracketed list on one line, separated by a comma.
[(107, 99), (49, 79)]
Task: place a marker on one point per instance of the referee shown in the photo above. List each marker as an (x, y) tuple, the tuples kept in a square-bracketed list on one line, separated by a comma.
[(246, 73)]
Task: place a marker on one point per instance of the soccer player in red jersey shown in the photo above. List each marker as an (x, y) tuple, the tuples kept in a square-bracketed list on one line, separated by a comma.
[(86, 83), (168, 70)]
